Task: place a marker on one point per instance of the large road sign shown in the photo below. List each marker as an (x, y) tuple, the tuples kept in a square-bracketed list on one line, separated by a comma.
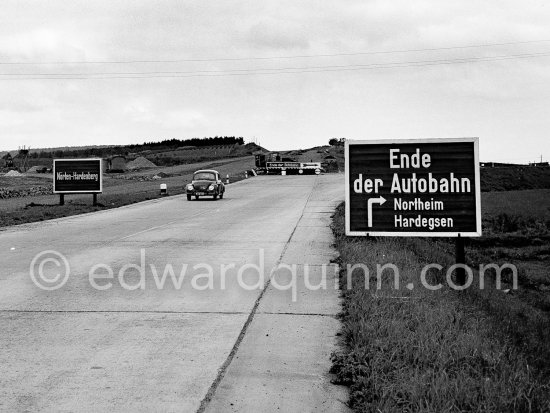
[(416, 187), (77, 176)]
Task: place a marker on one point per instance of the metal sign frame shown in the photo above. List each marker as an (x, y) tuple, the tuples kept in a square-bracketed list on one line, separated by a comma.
[(397, 233)]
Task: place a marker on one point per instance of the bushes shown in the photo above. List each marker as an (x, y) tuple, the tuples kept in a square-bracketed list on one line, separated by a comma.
[(6, 193), (508, 223)]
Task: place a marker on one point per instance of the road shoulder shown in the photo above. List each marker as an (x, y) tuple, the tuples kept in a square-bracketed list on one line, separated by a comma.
[(283, 361)]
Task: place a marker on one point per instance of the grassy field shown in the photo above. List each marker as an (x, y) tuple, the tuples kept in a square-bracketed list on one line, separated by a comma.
[(119, 190), (527, 203), (514, 178), (483, 350), (161, 157), (195, 154)]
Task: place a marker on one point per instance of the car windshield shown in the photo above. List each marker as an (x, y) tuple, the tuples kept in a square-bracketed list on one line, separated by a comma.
[(204, 176)]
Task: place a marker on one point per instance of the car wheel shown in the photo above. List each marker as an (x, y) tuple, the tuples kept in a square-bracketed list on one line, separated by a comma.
[(189, 197)]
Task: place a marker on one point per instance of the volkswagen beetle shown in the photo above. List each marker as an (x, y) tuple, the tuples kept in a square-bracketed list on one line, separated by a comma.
[(205, 182)]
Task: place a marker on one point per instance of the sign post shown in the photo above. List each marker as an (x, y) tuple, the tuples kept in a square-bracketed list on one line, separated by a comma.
[(417, 187), (460, 258), (77, 176)]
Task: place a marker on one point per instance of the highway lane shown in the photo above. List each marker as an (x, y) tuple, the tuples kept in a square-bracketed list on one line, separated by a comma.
[(117, 336)]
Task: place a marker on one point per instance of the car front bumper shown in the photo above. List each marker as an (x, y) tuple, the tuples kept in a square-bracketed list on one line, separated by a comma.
[(199, 192)]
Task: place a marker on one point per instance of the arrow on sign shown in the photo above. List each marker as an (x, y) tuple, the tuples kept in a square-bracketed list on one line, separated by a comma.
[(380, 200)]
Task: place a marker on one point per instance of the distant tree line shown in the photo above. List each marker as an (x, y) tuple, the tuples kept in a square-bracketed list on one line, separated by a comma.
[(167, 144), (175, 143)]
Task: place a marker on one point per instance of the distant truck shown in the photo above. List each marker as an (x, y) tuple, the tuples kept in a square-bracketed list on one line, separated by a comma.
[(272, 163)]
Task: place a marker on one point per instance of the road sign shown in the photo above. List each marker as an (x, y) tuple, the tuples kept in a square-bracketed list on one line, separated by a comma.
[(77, 176), (413, 187), (283, 164)]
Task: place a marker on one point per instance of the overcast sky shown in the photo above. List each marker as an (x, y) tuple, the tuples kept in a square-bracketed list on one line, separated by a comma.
[(191, 91)]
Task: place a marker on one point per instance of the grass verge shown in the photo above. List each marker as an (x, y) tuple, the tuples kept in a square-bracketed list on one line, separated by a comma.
[(35, 212), (118, 191), (437, 351)]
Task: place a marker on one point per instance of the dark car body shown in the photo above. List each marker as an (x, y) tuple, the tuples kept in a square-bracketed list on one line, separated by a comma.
[(206, 182)]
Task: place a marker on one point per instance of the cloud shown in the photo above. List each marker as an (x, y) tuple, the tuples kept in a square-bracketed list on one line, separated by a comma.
[(148, 115), (183, 120), (287, 110), (140, 112), (42, 44), (278, 35)]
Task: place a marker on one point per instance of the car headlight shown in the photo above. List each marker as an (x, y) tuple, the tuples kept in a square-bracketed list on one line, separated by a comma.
[(190, 187), (211, 187)]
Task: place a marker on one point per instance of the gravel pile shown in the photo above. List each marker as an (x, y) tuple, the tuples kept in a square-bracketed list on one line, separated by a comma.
[(160, 175), (13, 173), (140, 163)]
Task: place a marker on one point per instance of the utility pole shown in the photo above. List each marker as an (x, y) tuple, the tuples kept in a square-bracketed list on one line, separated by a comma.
[(24, 154)]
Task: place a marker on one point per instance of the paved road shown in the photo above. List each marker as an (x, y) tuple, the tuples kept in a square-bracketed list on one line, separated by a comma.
[(168, 305)]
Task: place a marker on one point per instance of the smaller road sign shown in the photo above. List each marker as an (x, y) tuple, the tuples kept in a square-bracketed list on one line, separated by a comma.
[(77, 176)]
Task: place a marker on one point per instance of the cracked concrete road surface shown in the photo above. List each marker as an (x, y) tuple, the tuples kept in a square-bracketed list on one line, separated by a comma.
[(173, 306)]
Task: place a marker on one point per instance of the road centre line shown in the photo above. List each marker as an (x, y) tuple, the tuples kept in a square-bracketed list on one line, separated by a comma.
[(145, 230), (159, 226)]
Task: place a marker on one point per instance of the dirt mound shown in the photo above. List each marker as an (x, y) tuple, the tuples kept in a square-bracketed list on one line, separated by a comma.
[(161, 175), (248, 149), (13, 173), (140, 163)]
